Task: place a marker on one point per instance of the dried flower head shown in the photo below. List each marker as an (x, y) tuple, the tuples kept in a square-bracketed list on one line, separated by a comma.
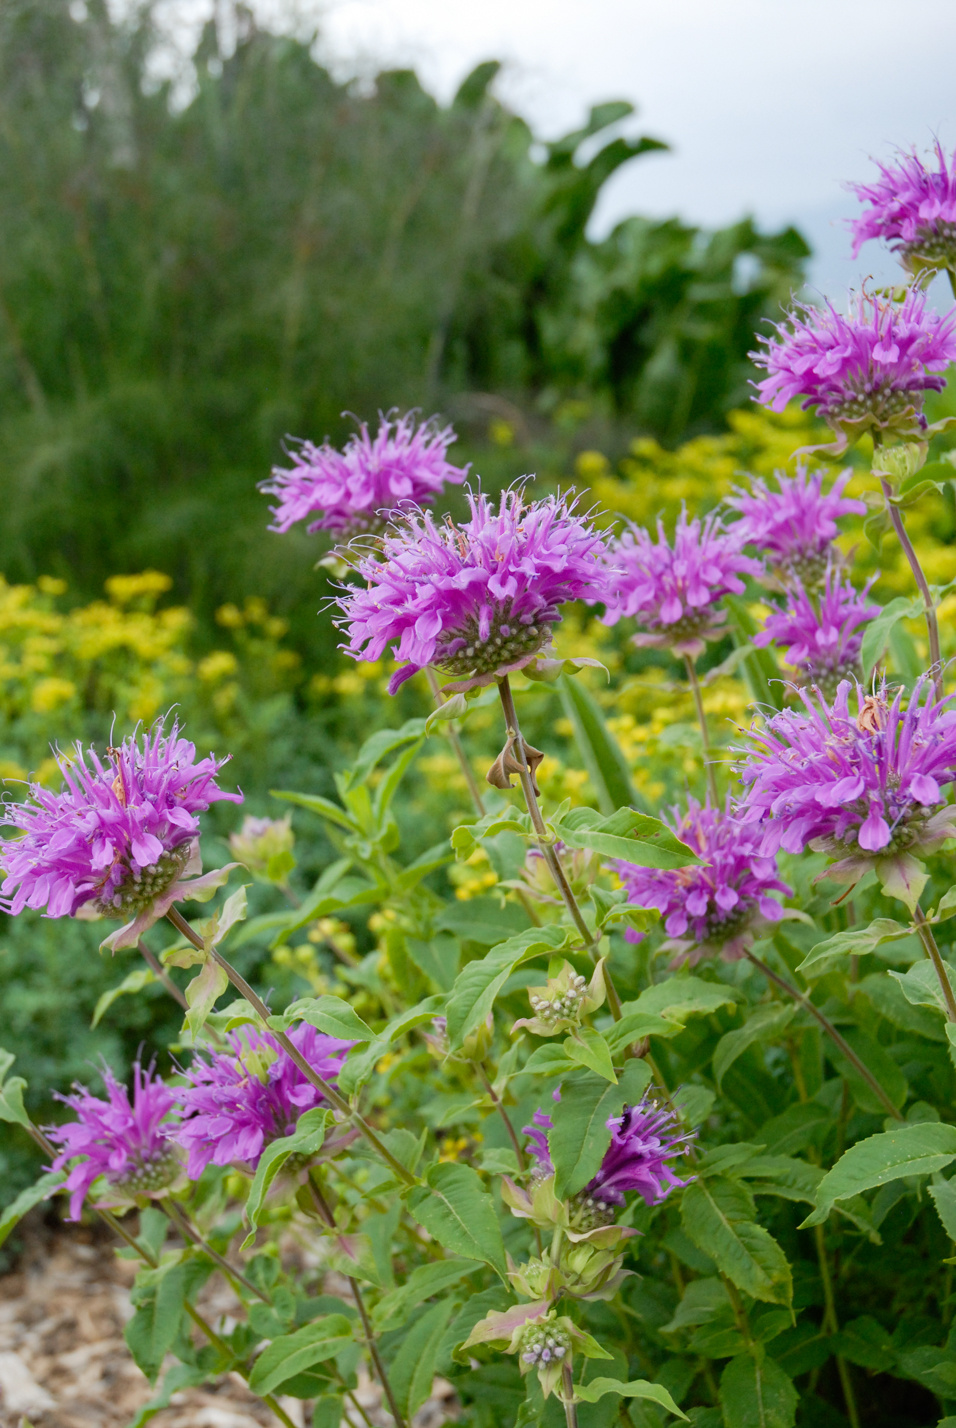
[(863, 372), (236, 1104), (479, 599), (119, 839), (866, 787), (722, 903), (351, 491), (912, 207), (128, 1144), (793, 527), (821, 636), (674, 591)]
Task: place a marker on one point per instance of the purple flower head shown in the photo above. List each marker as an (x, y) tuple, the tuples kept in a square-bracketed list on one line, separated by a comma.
[(861, 786), (793, 527), (128, 1144), (119, 836), (674, 591), (865, 371), (719, 905), (644, 1139), (236, 1104), (348, 491), (912, 207), (477, 599), (822, 635)]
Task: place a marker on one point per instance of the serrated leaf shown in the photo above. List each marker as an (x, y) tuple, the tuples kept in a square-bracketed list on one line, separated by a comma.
[(720, 1217), (328, 1014), (48, 1184), (293, 1353), (305, 1140), (478, 983), (588, 1048), (757, 1395), (857, 941), (918, 1149), (766, 1021), (580, 1135), (636, 1388), (456, 1208), (944, 1198)]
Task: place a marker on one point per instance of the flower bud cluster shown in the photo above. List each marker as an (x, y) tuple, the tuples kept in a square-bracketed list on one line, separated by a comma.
[(564, 1005), (544, 1344)]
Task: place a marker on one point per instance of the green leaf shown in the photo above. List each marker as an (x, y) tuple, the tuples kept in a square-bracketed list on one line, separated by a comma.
[(587, 1047), (877, 633), (329, 1014), (580, 1135), (918, 1149), (720, 1217), (153, 1329), (756, 1395), (760, 666), (680, 997), (600, 752), (329, 1411), (857, 942), (944, 1198), (636, 1388), (866, 1343), (456, 1208), (48, 1184), (305, 1140), (879, 1062), (378, 747), (293, 1353), (920, 986), (478, 983), (412, 1370), (634, 1026), (178, 1377), (437, 958), (11, 1103), (134, 981), (763, 1023), (202, 993), (421, 1284), (634, 837)]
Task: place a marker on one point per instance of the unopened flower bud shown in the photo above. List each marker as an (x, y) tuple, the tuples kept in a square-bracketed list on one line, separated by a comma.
[(544, 1344), (265, 846)]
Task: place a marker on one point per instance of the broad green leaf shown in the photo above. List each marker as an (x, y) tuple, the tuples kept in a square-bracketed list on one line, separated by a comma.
[(636, 1388), (421, 1284), (457, 1210), (606, 765), (765, 1022), (680, 997), (947, 906), (634, 1026), (877, 632), (292, 1353), (580, 1135), (48, 1184), (587, 1047), (720, 1217), (785, 1176), (437, 958), (412, 1370), (478, 983), (633, 837), (944, 1198), (329, 1014), (548, 1060), (202, 993), (757, 1395), (133, 982), (703, 1299), (919, 1149), (315, 803), (11, 1103), (305, 1140), (855, 942), (329, 1411), (934, 1368), (153, 1329), (920, 986), (178, 1377), (694, 1103), (378, 747), (878, 1062), (888, 998), (866, 1343)]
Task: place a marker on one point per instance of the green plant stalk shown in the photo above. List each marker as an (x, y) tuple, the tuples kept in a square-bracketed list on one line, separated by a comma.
[(931, 947), (831, 1031), (338, 1102), (567, 1398), (325, 1213), (694, 683), (832, 1323), (545, 844), (929, 609), (177, 1216), (459, 752), (161, 975)]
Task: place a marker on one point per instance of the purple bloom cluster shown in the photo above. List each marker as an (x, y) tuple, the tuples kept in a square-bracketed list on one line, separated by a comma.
[(477, 599), (857, 785), (821, 634), (348, 491), (118, 837), (793, 527), (912, 208), (236, 1104), (718, 905), (128, 1144), (867, 370), (643, 1140), (674, 591)]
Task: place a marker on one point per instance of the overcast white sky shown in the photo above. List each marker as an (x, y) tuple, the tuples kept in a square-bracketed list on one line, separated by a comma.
[(768, 104)]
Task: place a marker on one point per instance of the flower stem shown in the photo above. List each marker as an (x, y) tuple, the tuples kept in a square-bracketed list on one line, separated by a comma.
[(325, 1213), (338, 1102), (189, 1231), (896, 520), (545, 844), (694, 683), (831, 1031), (156, 967), (832, 1325), (931, 947), (567, 1398), (499, 1107), (459, 752)]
